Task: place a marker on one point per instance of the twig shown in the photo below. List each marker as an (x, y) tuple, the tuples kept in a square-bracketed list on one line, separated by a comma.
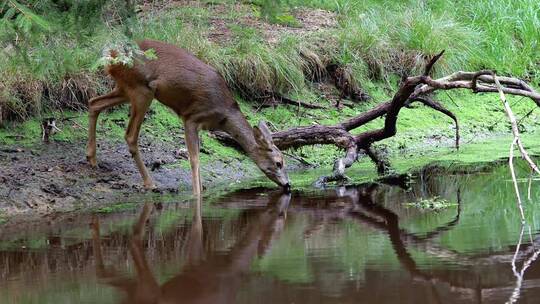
[(80, 126), (514, 297), (516, 187), (529, 187), (526, 115), (515, 129), (451, 99), (430, 64)]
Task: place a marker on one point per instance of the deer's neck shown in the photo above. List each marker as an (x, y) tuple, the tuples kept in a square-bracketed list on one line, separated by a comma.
[(238, 127)]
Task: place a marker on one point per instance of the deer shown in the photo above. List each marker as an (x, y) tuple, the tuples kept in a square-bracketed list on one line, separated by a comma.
[(202, 279), (197, 93)]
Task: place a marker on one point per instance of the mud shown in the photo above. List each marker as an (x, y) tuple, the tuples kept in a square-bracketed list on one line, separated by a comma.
[(55, 177)]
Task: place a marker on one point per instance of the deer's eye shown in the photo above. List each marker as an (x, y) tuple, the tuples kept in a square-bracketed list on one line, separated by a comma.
[(279, 165)]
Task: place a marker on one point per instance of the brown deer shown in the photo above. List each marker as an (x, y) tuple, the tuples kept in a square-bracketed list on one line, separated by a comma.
[(213, 279), (198, 94)]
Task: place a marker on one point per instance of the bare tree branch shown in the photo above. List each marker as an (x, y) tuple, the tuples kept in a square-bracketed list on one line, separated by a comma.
[(413, 89)]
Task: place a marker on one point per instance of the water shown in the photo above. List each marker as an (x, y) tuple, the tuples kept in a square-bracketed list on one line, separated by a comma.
[(363, 244)]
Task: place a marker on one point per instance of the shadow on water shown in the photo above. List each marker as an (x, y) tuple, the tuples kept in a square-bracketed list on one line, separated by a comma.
[(343, 245)]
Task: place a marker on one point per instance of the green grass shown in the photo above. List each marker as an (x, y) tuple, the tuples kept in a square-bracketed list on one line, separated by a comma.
[(380, 40)]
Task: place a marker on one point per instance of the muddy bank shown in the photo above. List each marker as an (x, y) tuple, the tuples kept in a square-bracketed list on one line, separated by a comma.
[(55, 177), (48, 179)]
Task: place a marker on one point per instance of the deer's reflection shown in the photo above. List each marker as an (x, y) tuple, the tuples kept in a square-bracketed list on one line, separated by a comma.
[(214, 279)]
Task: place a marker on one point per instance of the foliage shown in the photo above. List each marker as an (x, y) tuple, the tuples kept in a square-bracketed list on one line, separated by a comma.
[(124, 53), (48, 48)]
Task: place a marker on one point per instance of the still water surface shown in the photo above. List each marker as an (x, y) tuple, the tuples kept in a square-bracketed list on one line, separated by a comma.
[(357, 244)]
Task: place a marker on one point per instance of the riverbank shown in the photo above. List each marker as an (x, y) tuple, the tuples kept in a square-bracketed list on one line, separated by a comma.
[(47, 180)]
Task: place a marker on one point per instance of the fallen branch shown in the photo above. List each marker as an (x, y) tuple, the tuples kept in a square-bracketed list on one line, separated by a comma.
[(381, 162), (413, 89), (407, 89), (339, 167)]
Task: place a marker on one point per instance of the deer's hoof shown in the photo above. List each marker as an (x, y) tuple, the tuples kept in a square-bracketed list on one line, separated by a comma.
[(150, 186)]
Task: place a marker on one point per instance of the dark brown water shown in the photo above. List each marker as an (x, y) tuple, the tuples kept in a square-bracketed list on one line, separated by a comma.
[(364, 244)]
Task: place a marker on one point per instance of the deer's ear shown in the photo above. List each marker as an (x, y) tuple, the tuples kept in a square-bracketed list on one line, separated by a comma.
[(263, 136)]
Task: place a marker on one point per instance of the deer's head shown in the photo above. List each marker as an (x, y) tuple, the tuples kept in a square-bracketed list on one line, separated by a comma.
[(268, 157)]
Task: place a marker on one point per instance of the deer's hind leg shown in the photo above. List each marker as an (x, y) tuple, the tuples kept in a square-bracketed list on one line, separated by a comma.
[(140, 100), (95, 106)]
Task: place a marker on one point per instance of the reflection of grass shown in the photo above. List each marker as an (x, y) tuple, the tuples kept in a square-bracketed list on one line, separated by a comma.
[(433, 203), (489, 216), (116, 207), (39, 242), (288, 260), (3, 217)]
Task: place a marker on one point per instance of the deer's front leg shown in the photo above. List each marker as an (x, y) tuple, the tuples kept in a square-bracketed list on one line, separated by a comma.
[(140, 101), (95, 106), (192, 142), (195, 249), (147, 287), (104, 273)]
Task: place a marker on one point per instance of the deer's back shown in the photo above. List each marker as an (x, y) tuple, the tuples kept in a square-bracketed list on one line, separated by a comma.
[(185, 83)]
